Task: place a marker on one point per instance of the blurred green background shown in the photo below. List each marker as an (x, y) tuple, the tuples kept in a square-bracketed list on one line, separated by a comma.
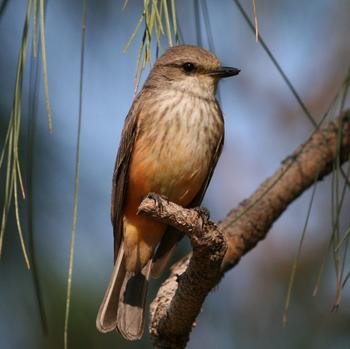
[(264, 124)]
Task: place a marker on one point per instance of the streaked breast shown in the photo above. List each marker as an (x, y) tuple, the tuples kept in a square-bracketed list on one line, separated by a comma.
[(177, 136)]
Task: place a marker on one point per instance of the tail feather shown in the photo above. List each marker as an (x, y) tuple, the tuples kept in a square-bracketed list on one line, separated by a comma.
[(106, 320), (123, 305), (132, 298)]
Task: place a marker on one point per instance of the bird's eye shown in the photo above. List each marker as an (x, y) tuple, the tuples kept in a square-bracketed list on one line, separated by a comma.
[(188, 67)]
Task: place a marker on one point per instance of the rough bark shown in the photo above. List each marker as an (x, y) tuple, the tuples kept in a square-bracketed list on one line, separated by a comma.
[(218, 248)]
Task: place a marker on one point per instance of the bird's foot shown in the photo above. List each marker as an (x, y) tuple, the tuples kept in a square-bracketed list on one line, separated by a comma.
[(157, 199)]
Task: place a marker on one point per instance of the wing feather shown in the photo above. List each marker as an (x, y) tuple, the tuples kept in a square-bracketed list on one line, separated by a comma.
[(121, 169)]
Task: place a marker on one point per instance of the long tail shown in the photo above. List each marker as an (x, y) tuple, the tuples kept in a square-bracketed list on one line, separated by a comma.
[(123, 305)]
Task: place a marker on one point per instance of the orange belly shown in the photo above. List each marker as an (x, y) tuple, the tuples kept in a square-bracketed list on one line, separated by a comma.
[(178, 176)]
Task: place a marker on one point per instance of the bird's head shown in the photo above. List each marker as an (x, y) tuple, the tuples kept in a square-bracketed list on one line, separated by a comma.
[(189, 69)]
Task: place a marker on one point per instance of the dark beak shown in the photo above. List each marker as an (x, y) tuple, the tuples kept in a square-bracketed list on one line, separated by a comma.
[(224, 72)]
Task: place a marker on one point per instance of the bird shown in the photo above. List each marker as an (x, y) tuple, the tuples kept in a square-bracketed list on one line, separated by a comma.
[(171, 141)]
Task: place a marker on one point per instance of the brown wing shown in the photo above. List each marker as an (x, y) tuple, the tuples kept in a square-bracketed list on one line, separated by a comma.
[(172, 236), (120, 174)]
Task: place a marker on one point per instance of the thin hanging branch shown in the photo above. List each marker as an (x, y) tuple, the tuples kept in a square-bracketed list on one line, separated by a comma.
[(10, 150), (275, 63), (33, 100), (10, 155), (76, 177), (218, 248), (154, 13), (44, 64)]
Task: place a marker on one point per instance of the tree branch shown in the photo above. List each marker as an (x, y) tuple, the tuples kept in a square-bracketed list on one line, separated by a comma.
[(216, 249), (203, 273)]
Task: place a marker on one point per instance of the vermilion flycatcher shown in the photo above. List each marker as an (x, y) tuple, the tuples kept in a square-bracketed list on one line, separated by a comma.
[(170, 144)]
